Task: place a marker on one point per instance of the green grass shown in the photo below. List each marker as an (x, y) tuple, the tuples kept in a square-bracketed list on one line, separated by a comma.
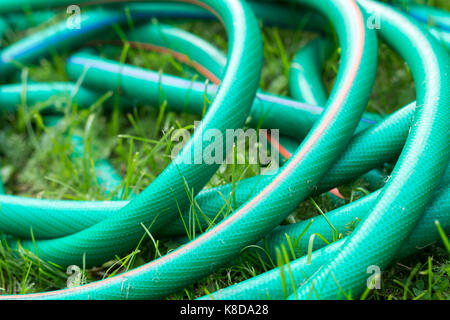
[(36, 162)]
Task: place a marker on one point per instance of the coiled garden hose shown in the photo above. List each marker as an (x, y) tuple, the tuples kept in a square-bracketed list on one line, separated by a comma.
[(397, 211), (328, 156), (272, 284), (183, 100)]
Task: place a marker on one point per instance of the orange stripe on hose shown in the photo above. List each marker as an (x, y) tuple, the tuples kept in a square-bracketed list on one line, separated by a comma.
[(290, 165)]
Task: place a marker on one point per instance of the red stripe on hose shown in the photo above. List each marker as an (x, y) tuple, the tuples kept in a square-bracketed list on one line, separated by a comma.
[(200, 4), (207, 74), (175, 54), (287, 155), (282, 150), (291, 164)]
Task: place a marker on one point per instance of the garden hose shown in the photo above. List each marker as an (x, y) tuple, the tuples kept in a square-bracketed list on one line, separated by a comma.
[(240, 99), (429, 15), (210, 200), (277, 284), (436, 20), (305, 81), (327, 156), (273, 240), (396, 213), (355, 114)]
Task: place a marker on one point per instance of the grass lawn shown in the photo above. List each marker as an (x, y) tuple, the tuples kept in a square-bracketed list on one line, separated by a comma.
[(36, 162)]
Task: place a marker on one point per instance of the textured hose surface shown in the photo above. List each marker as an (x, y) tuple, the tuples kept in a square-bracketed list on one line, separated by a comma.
[(416, 175), (270, 285), (338, 143), (122, 230)]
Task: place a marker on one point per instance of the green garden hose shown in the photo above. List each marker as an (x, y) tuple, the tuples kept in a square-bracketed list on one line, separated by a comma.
[(415, 176), (355, 114), (337, 219), (183, 100), (271, 285), (337, 147), (165, 207)]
